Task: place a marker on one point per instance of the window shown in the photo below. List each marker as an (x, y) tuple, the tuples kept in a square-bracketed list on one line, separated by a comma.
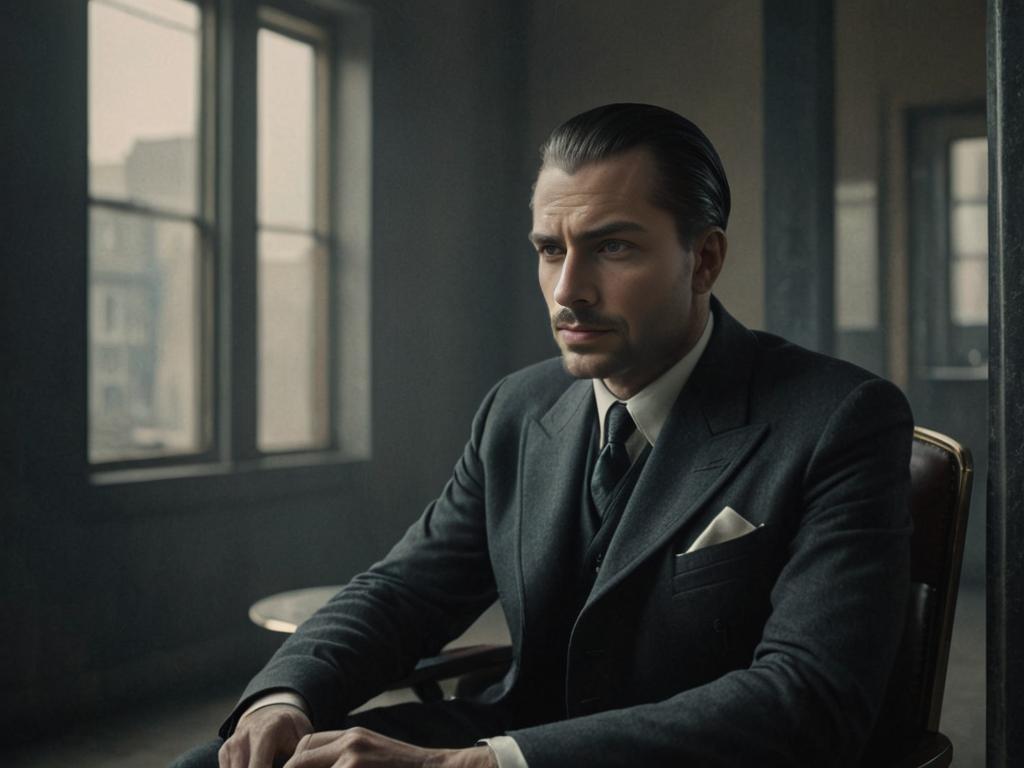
[(224, 260), (949, 243)]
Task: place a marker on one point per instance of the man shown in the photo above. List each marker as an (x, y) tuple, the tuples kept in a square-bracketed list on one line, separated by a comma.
[(698, 533)]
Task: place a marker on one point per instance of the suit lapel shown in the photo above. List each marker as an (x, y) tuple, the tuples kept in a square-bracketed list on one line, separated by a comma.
[(552, 463), (705, 440)]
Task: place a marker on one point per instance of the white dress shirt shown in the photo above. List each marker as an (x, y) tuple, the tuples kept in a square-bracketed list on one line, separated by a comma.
[(649, 408)]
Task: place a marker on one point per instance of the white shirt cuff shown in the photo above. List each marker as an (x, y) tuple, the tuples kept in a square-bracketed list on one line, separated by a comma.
[(279, 697), (506, 751)]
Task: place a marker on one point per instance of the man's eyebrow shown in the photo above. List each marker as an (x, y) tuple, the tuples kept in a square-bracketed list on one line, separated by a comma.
[(539, 238), (611, 228)]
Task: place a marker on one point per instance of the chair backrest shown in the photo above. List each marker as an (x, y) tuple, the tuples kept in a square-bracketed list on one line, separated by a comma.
[(941, 474)]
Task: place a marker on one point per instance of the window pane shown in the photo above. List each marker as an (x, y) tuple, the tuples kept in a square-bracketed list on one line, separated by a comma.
[(969, 230), (856, 276), (143, 337), (968, 276), (969, 291), (285, 131), (292, 325), (969, 169), (143, 101)]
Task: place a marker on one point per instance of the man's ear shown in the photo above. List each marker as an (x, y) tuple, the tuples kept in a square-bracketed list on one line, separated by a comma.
[(709, 249)]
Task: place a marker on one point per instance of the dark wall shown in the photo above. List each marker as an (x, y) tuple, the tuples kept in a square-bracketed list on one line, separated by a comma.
[(115, 595)]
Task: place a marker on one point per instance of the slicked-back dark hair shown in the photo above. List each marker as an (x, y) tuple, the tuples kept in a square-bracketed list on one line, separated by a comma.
[(691, 181)]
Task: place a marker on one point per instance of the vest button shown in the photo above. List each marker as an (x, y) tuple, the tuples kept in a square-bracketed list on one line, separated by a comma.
[(597, 561)]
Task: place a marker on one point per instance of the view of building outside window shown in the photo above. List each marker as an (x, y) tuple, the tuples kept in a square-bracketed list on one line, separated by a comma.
[(144, 242)]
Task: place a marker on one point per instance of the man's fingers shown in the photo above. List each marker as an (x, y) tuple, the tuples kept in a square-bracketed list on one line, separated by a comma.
[(318, 739), (233, 753), (263, 738), (263, 753), (248, 750), (316, 749), (323, 749)]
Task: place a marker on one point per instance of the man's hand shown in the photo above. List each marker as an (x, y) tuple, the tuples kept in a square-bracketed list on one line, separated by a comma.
[(264, 738), (360, 748)]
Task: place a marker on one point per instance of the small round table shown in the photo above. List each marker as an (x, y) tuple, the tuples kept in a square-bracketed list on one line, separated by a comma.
[(284, 611)]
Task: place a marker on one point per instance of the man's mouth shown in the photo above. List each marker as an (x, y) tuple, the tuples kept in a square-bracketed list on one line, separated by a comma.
[(575, 334)]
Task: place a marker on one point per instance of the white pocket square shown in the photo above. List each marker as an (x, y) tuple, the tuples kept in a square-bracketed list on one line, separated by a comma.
[(728, 524)]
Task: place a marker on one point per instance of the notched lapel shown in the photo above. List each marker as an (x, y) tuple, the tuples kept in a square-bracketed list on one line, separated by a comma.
[(569, 408), (552, 463)]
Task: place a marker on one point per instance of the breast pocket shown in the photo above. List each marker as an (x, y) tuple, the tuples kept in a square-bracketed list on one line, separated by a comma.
[(737, 560)]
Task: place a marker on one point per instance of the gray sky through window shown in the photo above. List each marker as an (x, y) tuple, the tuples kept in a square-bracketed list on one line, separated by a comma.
[(154, 97)]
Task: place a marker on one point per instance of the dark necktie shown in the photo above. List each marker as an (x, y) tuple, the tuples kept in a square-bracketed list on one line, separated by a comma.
[(613, 461)]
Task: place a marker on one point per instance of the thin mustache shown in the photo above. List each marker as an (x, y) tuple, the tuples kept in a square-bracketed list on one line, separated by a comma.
[(566, 316)]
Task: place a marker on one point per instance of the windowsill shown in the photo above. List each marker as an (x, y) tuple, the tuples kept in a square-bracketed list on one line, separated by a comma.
[(201, 484), (956, 373), (220, 468)]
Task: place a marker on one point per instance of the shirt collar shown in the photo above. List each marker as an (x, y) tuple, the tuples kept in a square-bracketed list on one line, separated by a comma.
[(651, 405)]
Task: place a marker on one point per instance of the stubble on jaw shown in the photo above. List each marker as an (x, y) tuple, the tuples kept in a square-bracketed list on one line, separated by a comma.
[(597, 364)]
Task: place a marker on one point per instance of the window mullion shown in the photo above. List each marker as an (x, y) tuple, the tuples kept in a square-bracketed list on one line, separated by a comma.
[(327, 138), (237, 205)]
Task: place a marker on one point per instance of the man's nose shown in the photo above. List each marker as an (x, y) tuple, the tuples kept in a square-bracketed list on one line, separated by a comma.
[(576, 285)]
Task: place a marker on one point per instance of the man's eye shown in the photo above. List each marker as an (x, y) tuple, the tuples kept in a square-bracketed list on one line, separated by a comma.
[(614, 247), (550, 250)]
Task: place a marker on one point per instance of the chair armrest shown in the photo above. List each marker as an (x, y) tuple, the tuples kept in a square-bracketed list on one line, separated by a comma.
[(468, 662), (457, 661)]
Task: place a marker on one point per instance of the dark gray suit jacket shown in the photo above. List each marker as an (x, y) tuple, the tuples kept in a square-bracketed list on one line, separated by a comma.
[(770, 649)]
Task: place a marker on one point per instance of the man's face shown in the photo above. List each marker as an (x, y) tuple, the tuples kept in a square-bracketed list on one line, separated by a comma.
[(617, 281)]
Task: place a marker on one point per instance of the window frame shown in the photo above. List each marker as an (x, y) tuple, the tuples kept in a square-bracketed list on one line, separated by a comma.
[(228, 171)]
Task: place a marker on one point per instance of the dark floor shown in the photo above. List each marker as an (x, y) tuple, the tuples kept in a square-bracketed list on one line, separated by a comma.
[(963, 709), (151, 739)]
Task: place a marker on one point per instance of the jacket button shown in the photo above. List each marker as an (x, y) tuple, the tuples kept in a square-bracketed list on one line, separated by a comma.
[(718, 626), (597, 561)]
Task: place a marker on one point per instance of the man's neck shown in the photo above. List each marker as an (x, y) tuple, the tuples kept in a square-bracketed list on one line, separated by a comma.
[(650, 406), (625, 389)]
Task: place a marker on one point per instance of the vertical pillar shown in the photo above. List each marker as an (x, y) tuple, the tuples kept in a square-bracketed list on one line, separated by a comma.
[(799, 142), (1006, 384)]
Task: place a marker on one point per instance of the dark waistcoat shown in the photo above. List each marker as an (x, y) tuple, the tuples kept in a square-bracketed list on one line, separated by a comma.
[(582, 562)]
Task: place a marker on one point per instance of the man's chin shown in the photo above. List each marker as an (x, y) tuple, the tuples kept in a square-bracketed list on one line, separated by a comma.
[(588, 366)]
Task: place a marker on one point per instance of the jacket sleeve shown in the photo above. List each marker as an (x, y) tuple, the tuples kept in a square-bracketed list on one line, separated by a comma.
[(816, 681), (435, 581)]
